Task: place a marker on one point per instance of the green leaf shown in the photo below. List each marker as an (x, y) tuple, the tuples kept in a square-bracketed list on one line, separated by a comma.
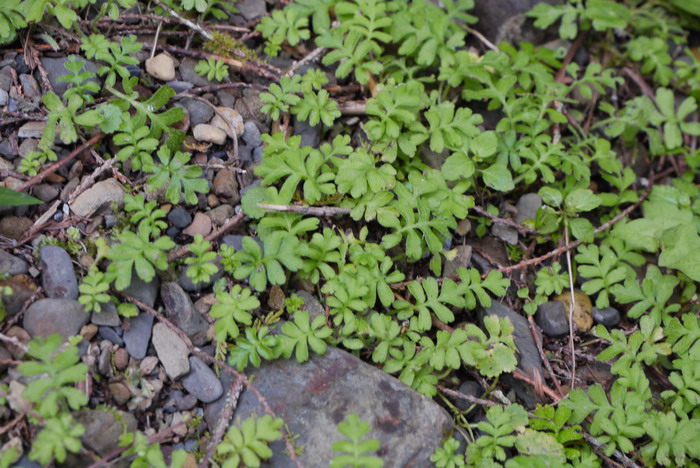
[(9, 197), (498, 177), (681, 250)]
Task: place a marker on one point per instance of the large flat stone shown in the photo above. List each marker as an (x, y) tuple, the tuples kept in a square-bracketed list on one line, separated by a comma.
[(315, 396), (98, 196)]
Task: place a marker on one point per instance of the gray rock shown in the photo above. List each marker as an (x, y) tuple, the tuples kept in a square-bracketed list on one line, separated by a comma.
[(181, 311), (314, 397), (527, 207), (179, 217), (202, 381), (251, 135), (100, 195), (310, 135), (48, 316), (107, 316), (180, 86), (6, 78), (225, 98), (103, 428), (188, 74), (249, 105), (229, 120), (161, 66), (209, 133), (58, 276), (46, 192), (551, 318), (311, 304), (199, 112), (252, 9), (473, 389), (31, 130), (503, 19), (6, 150), (14, 227), (3, 98), (461, 260), (55, 69), (171, 350), (181, 401), (137, 335), (226, 186), (110, 334), (4, 356), (11, 265), (608, 316), (29, 85), (505, 233), (22, 290), (27, 146), (528, 355), (143, 291), (233, 240), (220, 214)]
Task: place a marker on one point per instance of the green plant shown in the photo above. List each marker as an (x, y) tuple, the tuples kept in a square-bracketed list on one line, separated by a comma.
[(283, 25), (93, 291), (301, 334), (354, 450), (248, 444), (83, 83), (253, 347), (173, 174), (264, 264), (201, 266), (445, 456), (9, 197), (232, 308), (212, 69), (11, 19), (116, 55), (137, 252), (498, 435)]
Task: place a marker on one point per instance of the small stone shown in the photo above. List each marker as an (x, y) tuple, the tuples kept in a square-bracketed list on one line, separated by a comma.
[(121, 359), (147, 292), (14, 227), (233, 240), (209, 133), (180, 86), (104, 362), (551, 318), (608, 316), (311, 304), (179, 309), (470, 388), (88, 332), (11, 265), (505, 233), (230, 121), (148, 365), (58, 276), (107, 316), (183, 402), (461, 260), (527, 207), (48, 316), (6, 149), (200, 112), (46, 192), (55, 69), (226, 186), (464, 227), (202, 381), (30, 86), (583, 309), (161, 66), (226, 99), (110, 221), (212, 200), (173, 232), (103, 428), (252, 9), (31, 130), (200, 225), (138, 334), (220, 214), (101, 194), (120, 393), (27, 146), (275, 300), (179, 217), (310, 135), (171, 350), (3, 98), (110, 334), (251, 135), (22, 289)]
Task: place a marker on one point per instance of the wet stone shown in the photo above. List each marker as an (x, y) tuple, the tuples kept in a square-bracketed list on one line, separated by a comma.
[(608, 316), (110, 334), (179, 217), (551, 318)]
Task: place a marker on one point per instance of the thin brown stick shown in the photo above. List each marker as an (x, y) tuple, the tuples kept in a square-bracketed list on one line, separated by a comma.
[(537, 384), (543, 356), (469, 398), (572, 304), (558, 251), (13, 340), (480, 36), (578, 42), (353, 107), (508, 222), (626, 461), (61, 162), (303, 209), (313, 55), (214, 235)]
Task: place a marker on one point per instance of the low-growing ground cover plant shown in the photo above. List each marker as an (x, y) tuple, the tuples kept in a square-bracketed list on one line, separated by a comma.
[(423, 140)]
